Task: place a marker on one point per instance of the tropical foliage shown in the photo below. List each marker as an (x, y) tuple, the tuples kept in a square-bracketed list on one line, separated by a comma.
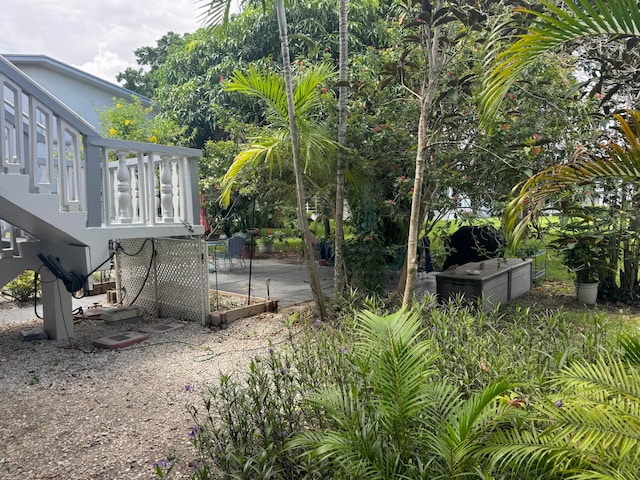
[(469, 173), (610, 173), (450, 105), (422, 394), (552, 29), (588, 428), (130, 120), (273, 146)]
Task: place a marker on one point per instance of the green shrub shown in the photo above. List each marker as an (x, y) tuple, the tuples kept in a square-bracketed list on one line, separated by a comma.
[(244, 423), (21, 288), (331, 383)]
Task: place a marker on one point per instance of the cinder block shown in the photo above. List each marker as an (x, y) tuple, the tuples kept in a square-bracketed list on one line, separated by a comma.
[(31, 334), (120, 340), (123, 315)]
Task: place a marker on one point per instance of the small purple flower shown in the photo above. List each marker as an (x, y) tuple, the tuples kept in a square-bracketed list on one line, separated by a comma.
[(270, 350), (283, 371), (161, 464), (317, 322), (342, 350), (193, 465), (188, 388), (559, 403), (194, 431)]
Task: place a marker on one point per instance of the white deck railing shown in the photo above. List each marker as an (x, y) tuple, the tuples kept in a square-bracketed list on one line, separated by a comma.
[(118, 183), (148, 184)]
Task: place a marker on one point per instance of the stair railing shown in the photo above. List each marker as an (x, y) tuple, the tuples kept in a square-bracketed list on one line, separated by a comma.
[(118, 183)]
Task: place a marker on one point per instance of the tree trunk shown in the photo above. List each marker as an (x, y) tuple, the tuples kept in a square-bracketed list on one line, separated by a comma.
[(339, 272), (430, 40), (314, 278), (402, 281)]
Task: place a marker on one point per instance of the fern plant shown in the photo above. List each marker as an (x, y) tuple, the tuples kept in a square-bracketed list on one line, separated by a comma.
[(398, 423), (590, 429)]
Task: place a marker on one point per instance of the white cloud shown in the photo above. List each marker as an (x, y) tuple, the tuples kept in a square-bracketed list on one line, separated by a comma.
[(105, 62), (98, 36)]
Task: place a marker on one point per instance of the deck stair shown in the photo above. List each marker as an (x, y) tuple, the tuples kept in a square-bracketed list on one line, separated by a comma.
[(68, 192)]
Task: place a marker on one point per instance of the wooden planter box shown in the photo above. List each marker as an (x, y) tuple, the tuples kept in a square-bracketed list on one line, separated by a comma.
[(221, 318), (495, 281), (100, 288)]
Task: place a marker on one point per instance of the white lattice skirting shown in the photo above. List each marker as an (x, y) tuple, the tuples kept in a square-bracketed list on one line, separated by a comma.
[(173, 282)]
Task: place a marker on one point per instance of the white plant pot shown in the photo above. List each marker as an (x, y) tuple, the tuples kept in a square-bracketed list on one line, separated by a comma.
[(587, 293), (265, 247)]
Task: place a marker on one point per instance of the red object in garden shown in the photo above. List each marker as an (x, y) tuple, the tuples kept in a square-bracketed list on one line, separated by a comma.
[(204, 221)]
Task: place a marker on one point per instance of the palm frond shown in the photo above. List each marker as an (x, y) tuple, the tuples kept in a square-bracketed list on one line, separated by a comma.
[(306, 94), (262, 84), (549, 31), (354, 442), (631, 346), (269, 87), (318, 146), (392, 347), (214, 12), (454, 441), (619, 162), (266, 149), (592, 430)]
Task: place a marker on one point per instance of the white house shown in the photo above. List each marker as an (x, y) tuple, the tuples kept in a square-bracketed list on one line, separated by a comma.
[(82, 92)]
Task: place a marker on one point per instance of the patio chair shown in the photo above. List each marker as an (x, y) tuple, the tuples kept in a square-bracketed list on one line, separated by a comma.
[(235, 248)]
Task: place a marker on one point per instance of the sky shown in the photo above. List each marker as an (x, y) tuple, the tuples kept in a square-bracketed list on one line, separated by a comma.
[(96, 36)]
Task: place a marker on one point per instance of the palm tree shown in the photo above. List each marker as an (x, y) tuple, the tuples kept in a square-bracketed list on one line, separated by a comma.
[(549, 32), (219, 9), (276, 143), (397, 422)]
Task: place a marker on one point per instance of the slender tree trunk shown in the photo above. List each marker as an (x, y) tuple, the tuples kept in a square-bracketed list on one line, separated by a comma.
[(431, 48), (339, 272), (297, 164)]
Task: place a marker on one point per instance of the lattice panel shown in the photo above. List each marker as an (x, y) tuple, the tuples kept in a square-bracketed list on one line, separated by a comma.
[(133, 262), (178, 283), (183, 279)]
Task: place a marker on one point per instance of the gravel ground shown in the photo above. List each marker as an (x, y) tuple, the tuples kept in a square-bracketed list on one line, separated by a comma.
[(73, 411)]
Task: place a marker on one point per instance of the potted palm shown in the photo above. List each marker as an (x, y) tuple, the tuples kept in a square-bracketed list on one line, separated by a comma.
[(582, 255)]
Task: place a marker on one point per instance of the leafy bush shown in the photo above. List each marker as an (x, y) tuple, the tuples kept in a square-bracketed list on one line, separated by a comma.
[(386, 395), (21, 288), (476, 346), (244, 423)]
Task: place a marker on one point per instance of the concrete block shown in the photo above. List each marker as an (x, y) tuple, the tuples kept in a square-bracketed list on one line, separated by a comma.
[(122, 315), (112, 296), (161, 327), (121, 340), (31, 334)]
